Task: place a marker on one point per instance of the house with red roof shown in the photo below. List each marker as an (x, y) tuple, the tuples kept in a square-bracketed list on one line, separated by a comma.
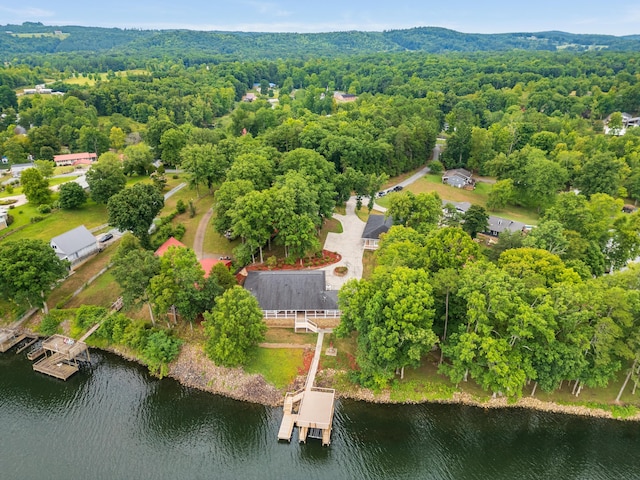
[(84, 158), (207, 264)]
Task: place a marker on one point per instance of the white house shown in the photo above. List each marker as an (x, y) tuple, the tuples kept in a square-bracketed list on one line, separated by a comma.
[(75, 244)]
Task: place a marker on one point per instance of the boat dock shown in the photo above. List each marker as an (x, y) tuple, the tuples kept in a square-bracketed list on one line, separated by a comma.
[(11, 338), (311, 408), (61, 357)]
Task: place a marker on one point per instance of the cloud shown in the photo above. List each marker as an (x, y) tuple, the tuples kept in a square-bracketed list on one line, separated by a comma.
[(27, 12)]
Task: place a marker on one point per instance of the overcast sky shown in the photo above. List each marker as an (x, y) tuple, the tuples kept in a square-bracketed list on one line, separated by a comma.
[(621, 17)]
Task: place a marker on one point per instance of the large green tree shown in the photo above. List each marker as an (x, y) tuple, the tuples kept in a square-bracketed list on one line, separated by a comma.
[(105, 179), (393, 315), (72, 196), (35, 186), (28, 271), (233, 327), (135, 208)]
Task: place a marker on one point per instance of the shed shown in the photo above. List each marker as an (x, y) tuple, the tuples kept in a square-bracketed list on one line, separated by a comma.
[(75, 244)]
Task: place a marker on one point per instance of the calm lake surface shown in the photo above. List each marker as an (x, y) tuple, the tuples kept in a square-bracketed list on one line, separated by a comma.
[(117, 422)]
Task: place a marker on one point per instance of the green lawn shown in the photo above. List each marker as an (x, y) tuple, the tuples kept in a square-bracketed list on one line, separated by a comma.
[(52, 182), (90, 215), (279, 366), (479, 196)]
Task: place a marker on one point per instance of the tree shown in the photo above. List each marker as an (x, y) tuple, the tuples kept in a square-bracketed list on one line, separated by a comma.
[(615, 124), (224, 277), (476, 220), (116, 138), (105, 179), (133, 269), (35, 186), (450, 247), (233, 327), (181, 286), (204, 165), (393, 315), (548, 235), (421, 212), (72, 196), (171, 142), (501, 194), (28, 271), (134, 209), (601, 173), (93, 140), (45, 167), (226, 197), (138, 159), (251, 220)]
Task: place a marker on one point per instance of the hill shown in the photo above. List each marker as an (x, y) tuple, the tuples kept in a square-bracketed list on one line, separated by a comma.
[(36, 38)]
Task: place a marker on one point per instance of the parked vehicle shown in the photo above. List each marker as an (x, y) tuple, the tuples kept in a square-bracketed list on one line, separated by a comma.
[(397, 188), (106, 237)]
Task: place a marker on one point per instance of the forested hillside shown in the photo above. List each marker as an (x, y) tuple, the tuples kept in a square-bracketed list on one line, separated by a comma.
[(38, 39)]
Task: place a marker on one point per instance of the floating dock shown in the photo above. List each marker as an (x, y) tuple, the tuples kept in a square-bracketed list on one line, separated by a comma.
[(61, 357), (311, 408)]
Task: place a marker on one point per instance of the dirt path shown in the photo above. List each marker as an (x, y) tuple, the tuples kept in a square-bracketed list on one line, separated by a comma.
[(198, 242)]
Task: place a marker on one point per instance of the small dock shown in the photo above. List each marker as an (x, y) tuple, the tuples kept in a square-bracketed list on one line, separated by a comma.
[(61, 357), (311, 408), (11, 338)]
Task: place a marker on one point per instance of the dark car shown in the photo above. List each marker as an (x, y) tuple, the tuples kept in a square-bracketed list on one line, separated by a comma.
[(106, 237), (397, 188)]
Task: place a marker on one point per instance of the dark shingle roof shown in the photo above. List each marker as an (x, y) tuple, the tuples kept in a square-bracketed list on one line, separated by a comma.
[(498, 224), (292, 290), (376, 226)]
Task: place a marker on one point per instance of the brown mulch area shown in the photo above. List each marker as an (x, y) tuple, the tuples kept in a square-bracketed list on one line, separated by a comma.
[(328, 258)]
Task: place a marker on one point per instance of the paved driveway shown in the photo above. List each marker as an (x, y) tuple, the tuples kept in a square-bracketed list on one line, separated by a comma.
[(348, 244)]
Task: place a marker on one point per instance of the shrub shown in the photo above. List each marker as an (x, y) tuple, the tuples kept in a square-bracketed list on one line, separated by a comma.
[(88, 315), (44, 208), (436, 167), (9, 189), (192, 209), (181, 207), (271, 262), (9, 219), (50, 324), (35, 218)]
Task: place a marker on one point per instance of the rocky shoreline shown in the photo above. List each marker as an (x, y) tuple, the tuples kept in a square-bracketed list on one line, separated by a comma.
[(193, 369)]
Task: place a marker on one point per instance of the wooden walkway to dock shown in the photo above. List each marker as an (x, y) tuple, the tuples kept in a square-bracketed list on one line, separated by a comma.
[(311, 408)]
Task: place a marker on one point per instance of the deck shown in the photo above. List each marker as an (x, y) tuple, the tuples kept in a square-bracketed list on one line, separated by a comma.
[(311, 409), (9, 339), (61, 357), (56, 366)]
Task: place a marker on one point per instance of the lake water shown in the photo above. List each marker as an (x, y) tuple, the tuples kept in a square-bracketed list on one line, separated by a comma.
[(117, 422)]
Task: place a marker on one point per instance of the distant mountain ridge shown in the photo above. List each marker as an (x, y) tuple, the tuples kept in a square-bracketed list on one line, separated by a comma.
[(36, 38)]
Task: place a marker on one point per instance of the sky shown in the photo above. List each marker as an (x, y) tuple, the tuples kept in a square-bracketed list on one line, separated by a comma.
[(471, 16)]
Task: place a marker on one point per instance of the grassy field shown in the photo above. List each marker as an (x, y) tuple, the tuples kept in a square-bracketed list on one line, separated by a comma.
[(62, 293), (52, 182), (279, 366), (479, 196), (90, 215), (61, 36)]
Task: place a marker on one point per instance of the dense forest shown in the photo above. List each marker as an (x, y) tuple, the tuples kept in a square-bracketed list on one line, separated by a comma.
[(31, 41), (534, 307)]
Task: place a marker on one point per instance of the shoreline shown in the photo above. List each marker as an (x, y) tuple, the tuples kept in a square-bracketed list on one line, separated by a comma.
[(193, 369)]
